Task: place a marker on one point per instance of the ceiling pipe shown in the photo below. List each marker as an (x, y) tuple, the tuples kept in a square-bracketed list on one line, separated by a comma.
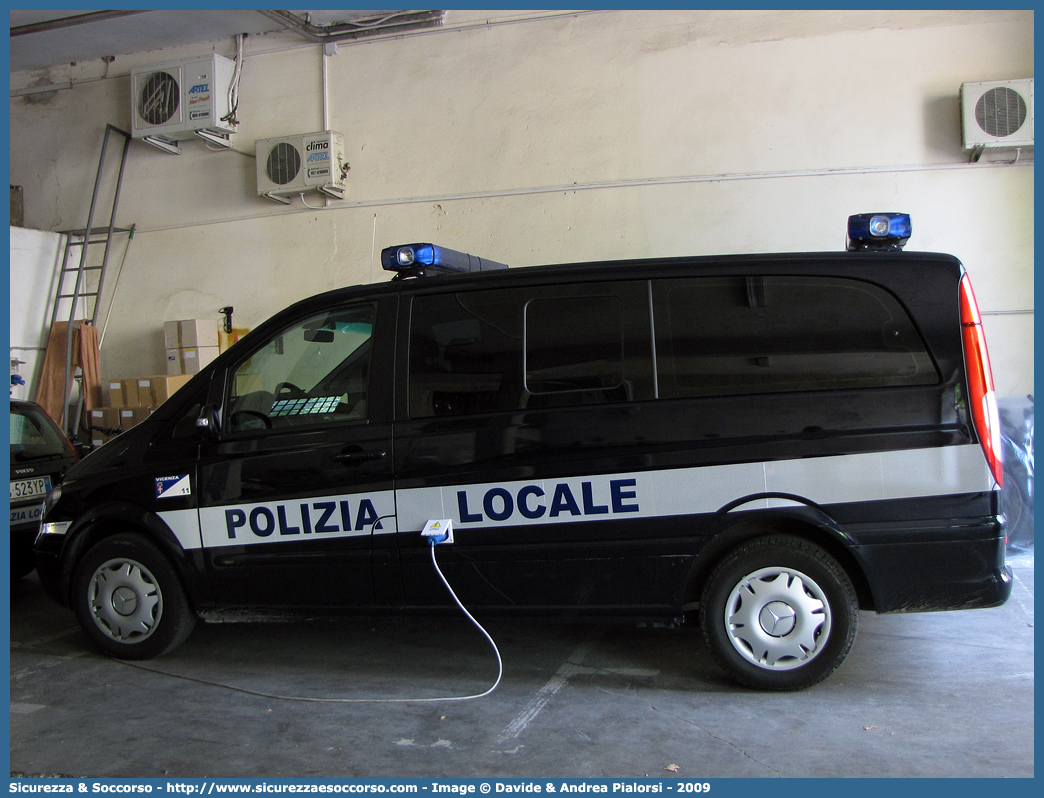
[(393, 22), (69, 22)]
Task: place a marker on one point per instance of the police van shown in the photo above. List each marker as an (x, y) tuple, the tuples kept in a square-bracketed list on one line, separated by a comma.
[(768, 443)]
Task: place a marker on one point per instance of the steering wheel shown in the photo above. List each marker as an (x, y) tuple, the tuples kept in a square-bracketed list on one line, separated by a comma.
[(244, 420), (287, 390)]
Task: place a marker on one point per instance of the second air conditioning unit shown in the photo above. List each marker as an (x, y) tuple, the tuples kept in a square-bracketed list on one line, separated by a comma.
[(291, 165), (997, 113), (179, 100)]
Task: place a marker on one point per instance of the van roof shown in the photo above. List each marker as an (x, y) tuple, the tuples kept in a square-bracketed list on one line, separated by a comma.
[(885, 267)]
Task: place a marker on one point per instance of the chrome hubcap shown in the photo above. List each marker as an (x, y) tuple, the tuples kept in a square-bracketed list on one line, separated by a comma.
[(125, 601), (777, 618)]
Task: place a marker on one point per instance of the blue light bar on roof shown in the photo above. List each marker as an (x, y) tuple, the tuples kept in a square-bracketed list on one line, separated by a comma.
[(878, 231), (421, 259)]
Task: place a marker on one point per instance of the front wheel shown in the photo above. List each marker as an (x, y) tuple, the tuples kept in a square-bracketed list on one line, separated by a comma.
[(779, 613), (129, 600), (21, 565)]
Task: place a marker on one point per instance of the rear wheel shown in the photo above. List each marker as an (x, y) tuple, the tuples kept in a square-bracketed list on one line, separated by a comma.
[(129, 600), (779, 613)]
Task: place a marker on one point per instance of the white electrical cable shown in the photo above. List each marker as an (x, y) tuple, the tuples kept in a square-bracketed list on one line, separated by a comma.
[(260, 694), (313, 207), (376, 23), (233, 86)]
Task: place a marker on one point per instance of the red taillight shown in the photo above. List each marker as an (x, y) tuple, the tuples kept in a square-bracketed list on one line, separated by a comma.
[(981, 399)]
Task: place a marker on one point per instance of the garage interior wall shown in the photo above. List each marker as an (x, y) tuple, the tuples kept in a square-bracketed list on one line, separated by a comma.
[(544, 137)]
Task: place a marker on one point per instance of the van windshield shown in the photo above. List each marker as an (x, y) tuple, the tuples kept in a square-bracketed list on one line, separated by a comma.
[(313, 372)]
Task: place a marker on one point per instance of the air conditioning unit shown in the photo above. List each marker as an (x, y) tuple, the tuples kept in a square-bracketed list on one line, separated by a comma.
[(997, 113), (291, 165), (180, 100)]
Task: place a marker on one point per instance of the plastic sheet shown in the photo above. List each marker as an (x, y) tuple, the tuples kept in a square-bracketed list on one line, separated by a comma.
[(1017, 495)]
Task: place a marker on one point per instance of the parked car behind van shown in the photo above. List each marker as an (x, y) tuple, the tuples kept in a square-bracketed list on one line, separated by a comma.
[(40, 456)]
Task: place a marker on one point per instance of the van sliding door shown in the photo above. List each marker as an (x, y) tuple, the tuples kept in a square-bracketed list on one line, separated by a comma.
[(523, 424)]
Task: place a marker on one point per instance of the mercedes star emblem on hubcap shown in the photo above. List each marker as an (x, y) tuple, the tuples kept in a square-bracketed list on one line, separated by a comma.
[(124, 600), (778, 618)]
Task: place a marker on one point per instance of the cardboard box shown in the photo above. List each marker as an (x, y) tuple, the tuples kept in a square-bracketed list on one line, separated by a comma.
[(124, 393), (189, 360), (132, 416), (115, 393), (143, 392), (104, 418), (190, 333), (100, 439), (107, 417), (163, 387)]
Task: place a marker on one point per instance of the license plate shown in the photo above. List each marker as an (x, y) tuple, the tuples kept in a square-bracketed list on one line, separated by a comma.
[(30, 488)]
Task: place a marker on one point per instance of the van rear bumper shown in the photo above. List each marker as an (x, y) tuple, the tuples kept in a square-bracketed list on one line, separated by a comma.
[(940, 575), (929, 553)]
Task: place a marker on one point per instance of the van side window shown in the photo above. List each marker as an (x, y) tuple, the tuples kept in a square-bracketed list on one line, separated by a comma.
[(745, 335), (529, 348), (314, 373), (576, 345), (465, 353)]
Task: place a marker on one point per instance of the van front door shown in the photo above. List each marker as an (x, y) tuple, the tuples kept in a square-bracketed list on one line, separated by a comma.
[(297, 484)]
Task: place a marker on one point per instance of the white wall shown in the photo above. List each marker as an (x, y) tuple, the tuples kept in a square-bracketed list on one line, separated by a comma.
[(559, 138), (35, 260)]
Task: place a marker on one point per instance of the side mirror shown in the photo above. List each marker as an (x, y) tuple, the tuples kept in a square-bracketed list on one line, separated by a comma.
[(208, 420)]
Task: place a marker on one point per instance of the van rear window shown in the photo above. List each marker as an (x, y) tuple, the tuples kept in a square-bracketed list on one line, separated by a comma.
[(553, 346), (745, 335)]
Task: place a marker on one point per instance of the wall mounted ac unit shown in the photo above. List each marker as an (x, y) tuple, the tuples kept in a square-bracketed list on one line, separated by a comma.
[(179, 100), (997, 113), (291, 165)]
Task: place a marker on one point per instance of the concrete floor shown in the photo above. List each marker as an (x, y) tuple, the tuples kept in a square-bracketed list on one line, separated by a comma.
[(942, 694)]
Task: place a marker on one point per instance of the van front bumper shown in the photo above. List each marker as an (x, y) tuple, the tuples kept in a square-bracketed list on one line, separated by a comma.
[(47, 551)]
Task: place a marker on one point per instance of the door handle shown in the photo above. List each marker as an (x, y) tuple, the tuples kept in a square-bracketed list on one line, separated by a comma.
[(360, 456)]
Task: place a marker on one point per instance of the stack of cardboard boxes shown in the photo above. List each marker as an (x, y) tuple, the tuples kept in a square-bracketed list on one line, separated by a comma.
[(129, 402), (190, 345)]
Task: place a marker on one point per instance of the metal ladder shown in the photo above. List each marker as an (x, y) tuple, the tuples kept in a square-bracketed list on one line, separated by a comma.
[(76, 270)]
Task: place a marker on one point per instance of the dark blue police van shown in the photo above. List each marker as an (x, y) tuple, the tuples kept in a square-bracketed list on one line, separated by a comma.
[(769, 443)]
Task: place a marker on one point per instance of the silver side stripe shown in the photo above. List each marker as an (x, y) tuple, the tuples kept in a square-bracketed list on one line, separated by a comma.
[(185, 526), (350, 515), (690, 491), (644, 494)]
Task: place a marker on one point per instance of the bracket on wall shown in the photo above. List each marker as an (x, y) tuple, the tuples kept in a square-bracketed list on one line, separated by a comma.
[(227, 313), (163, 144), (221, 139)]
